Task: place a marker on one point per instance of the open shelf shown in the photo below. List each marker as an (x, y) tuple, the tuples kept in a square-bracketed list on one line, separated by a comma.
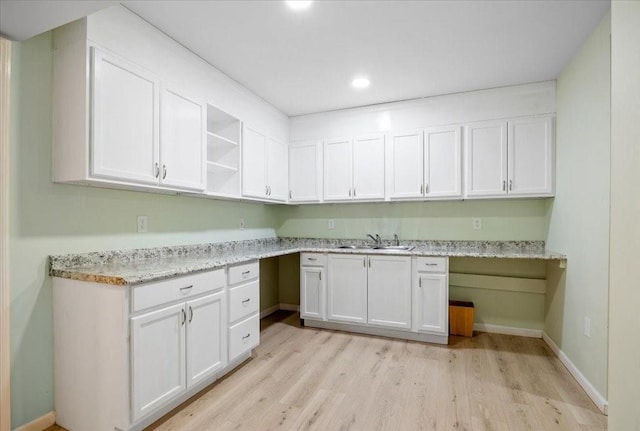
[(223, 153)]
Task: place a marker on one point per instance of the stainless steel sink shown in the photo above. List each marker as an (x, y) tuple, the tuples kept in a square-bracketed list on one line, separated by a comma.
[(357, 247), (393, 247)]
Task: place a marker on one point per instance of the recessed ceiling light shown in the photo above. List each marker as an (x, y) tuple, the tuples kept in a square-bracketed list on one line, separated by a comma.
[(299, 4), (360, 82)]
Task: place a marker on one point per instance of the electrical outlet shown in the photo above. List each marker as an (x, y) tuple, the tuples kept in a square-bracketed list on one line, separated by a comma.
[(331, 224), (241, 225), (143, 224), (477, 223), (587, 327)]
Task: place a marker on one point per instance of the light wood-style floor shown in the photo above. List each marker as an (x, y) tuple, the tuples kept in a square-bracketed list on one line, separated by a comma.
[(303, 378)]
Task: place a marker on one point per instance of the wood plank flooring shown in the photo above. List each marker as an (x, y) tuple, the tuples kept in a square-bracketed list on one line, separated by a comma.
[(310, 379)]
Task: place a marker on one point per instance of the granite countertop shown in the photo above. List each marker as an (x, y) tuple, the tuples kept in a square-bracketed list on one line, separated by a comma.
[(131, 267)]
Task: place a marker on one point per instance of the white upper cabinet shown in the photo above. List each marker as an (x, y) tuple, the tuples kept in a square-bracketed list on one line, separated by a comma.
[(277, 170), (354, 168), (368, 167), (124, 121), (182, 143), (305, 171), (486, 159), (510, 158), (442, 162), (254, 152), (426, 164), (531, 157), (337, 170), (406, 172), (264, 166)]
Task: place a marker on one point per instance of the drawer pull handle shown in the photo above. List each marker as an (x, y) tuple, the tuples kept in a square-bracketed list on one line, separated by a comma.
[(246, 300), (431, 264), (190, 314), (312, 258), (245, 273), (246, 336), (186, 288), (184, 316)]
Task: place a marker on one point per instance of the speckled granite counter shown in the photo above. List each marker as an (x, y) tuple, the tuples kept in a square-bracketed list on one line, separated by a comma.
[(130, 267)]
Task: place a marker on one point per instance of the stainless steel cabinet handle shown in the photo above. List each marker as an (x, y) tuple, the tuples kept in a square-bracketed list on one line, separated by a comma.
[(266, 190), (190, 314), (184, 316), (431, 264), (164, 171), (369, 262), (245, 273), (246, 300), (349, 192), (419, 282), (246, 336), (421, 189), (354, 192), (510, 184), (426, 189), (320, 276), (269, 190), (184, 289), (157, 170), (364, 262), (504, 185), (290, 195)]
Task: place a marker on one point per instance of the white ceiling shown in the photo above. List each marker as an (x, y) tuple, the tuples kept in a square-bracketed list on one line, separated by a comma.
[(304, 61)]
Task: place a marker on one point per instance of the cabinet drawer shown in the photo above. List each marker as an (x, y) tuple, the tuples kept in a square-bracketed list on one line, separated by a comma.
[(244, 272), (432, 264), (153, 294), (244, 300), (244, 336), (312, 259)]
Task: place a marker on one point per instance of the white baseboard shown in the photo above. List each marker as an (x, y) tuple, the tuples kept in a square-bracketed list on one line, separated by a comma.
[(290, 307), (592, 392), (507, 330), (268, 311), (39, 424)]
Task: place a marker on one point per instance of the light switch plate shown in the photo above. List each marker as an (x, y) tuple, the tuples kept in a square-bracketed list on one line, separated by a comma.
[(143, 223)]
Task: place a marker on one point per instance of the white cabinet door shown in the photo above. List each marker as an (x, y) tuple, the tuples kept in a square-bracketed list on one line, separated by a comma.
[(254, 153), (531, 157), (486, 159), (443, 162), (368, 167), (124, 121), (433, 310), (337, 170), (277, 170), (182, 144), (312, 293), (305, 173), (206, 337), (347, 288), (157, 358), (389, 293), (406, 165)]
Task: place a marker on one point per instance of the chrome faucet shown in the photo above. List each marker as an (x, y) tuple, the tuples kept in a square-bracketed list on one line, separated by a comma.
[(396, 239), (376, 238)]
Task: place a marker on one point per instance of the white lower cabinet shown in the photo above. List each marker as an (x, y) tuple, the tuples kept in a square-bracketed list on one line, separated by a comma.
[(126, 355), (432, 295), (312, 286), (389, 291), (244, 308), (378, 294), (347, 288)]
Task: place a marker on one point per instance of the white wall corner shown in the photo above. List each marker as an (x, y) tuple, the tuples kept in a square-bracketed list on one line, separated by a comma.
[(597, 398)]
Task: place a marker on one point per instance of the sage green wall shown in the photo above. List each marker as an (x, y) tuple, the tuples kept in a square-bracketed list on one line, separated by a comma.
[(579, 219), (525, 219), (624, 320), (49, 218)]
